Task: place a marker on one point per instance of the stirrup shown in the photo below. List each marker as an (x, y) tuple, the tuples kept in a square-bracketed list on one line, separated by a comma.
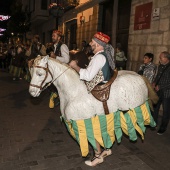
[(100, 160)]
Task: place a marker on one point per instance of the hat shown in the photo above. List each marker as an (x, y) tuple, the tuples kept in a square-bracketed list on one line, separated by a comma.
[(58, 32), (101, 38)]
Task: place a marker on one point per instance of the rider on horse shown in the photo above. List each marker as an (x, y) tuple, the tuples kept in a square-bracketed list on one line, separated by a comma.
[(98, 71), (60, 52), (100, 67)]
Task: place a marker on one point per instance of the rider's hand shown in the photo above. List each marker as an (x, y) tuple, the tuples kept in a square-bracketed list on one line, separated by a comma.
[(157, 88), (73, 63), (153, 85), (52, 55)]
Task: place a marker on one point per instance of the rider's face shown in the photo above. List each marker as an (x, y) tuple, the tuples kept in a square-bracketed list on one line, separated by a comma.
[(55, 38), (93, 45)]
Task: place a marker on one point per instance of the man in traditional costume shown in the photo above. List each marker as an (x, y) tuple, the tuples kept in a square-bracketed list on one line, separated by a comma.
[(36, 48), (60, 52), (99, 71)]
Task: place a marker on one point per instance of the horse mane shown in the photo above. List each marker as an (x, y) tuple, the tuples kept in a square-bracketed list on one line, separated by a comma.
[(37, 60), (55, 60)]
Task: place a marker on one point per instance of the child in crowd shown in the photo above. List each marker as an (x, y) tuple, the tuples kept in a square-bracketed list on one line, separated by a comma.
[(148, 69), (120, 58)]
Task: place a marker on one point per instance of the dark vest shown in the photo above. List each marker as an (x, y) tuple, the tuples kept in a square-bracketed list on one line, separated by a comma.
[(35, 51), (106, 68), (58, 49)]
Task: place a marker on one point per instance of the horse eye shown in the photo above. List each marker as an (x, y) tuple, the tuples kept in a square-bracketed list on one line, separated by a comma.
[(39, 74)]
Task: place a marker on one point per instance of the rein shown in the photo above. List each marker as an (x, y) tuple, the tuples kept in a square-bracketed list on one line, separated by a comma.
[(46, 86), (47, 71)]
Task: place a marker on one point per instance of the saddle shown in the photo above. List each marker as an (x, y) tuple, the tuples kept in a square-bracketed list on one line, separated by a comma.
[(102, 92)]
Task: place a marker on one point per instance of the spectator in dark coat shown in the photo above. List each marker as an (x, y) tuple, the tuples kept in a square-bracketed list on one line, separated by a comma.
[(18, 62), (162, 86)]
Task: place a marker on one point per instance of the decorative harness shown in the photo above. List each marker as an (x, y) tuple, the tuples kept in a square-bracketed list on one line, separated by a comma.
[(102, 92), (46, 75)]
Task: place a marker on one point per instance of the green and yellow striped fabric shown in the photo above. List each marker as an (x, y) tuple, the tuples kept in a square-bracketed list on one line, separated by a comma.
[(105, 128)]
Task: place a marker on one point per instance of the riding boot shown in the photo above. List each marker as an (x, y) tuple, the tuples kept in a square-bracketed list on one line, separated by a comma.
[(52, 98)]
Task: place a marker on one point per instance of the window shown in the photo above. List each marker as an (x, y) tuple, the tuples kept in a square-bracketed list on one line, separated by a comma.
[(44, 4)]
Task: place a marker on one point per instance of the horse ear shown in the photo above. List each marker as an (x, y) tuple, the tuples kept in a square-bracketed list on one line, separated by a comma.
[(45, 58)]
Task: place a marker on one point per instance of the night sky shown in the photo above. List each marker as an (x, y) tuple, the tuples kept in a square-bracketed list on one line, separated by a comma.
[(4, 10)]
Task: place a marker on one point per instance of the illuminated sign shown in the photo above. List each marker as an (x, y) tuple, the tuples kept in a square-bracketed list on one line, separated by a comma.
[(4, 17), (1, 29)]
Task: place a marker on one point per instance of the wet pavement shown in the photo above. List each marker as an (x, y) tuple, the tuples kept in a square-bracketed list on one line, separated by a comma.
[(32, 137)]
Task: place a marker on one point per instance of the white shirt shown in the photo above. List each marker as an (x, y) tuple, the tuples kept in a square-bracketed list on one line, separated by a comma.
[(95, 65), (64, 54)]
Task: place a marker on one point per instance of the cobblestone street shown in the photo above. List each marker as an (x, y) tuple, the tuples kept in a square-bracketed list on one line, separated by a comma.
[(32, 137)]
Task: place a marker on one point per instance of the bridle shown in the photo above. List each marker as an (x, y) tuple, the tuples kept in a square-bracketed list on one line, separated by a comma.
[(46, 75)]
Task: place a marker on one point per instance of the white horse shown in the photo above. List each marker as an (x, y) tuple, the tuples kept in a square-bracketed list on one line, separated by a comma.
[(128, 90), (84, 115)]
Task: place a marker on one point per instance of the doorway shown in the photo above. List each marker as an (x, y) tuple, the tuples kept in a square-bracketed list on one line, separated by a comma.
[(71, 29), (123, 21)]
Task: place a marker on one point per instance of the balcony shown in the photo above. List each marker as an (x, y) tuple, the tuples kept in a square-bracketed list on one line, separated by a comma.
[(70, 4), (39, 16)]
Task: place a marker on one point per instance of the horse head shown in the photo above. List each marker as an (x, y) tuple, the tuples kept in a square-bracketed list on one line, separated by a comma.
[(41, 75)]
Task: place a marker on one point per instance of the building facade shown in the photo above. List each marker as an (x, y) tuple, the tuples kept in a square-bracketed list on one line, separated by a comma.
[(117, 18), (155, 39)]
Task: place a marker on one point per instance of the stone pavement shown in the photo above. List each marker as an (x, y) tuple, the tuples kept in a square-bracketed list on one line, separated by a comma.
[(32, 137)]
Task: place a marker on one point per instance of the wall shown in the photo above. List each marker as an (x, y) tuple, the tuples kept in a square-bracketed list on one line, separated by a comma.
[(43, 23), (154, 40), (85, 31)]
